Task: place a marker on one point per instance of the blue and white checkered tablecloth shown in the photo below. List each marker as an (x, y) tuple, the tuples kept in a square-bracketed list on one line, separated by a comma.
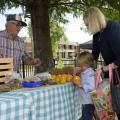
[(59, 102)]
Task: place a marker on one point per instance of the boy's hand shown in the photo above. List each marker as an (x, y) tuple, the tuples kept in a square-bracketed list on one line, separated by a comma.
[(76, 80)]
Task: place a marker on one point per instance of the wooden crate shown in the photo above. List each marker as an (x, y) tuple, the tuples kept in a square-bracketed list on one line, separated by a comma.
[(6, 68)]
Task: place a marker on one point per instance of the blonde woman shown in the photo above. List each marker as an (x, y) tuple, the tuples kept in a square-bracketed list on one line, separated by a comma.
[(106, 40), (87, 84)]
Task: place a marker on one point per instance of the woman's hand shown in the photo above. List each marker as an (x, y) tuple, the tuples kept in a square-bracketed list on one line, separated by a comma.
[(97, 73), (103, 69)]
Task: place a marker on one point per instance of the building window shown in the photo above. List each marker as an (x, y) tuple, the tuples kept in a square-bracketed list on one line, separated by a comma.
[(64, 46), (70, 46), (75, 47), (70, 54), (63, 54)]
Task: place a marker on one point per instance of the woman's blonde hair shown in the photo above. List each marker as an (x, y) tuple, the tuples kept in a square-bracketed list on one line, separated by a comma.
[(85, 59), (96, 20)]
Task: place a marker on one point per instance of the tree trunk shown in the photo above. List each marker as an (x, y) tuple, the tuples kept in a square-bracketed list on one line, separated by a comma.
[(41, 33)]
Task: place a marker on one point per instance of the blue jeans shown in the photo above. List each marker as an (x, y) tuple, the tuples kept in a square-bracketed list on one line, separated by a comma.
[(88, 111)]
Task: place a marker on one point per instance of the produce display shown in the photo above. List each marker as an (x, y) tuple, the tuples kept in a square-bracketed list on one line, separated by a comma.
[(64, 75), (62, 78), (56, 76), (32, 79)]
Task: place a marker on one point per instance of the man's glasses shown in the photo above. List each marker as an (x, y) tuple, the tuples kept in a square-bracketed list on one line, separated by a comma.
[(17, 24)]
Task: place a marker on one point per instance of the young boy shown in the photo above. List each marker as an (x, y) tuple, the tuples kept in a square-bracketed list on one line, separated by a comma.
[(84, 64)]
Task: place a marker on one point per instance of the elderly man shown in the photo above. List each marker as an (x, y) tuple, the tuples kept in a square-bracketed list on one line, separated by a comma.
[(12, 46)]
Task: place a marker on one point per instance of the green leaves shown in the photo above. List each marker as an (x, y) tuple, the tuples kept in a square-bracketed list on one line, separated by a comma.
[(59, 8), (56, 34)]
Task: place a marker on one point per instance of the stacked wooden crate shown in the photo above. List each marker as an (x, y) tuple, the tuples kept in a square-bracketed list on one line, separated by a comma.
[(6, 68)]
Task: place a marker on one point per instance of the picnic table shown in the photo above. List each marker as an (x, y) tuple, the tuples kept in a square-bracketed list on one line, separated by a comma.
[(57, 102)]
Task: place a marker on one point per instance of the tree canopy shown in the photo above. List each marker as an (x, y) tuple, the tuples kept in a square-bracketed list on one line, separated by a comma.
[(59, 8), (56, 34), (40, 12)]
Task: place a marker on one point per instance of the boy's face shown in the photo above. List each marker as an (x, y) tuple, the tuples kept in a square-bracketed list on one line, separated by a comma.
[(82, 68), (77, 70)]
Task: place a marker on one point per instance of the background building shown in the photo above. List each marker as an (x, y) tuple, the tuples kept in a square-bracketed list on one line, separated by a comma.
[(67, 50)]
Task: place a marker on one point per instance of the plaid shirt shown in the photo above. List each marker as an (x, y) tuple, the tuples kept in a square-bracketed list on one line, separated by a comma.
[(12, 48)]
